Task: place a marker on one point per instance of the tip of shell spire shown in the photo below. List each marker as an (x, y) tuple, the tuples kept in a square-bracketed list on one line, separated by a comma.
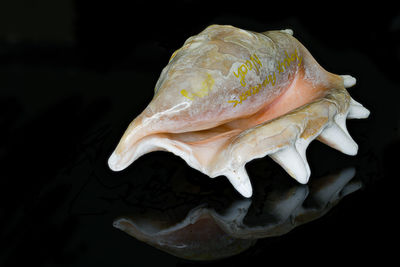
[(288, 31)]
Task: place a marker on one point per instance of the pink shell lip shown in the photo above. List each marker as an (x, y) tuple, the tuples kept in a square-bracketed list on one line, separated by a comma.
[(291, 158)]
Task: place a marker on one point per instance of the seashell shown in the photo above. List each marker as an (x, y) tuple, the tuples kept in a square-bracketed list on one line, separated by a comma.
[(230, 95)]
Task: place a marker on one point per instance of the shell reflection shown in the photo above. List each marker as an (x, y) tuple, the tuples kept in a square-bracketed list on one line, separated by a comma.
[(218, 229)]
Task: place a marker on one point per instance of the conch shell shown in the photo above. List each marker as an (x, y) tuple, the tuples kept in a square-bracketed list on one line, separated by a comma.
[(230, 95)]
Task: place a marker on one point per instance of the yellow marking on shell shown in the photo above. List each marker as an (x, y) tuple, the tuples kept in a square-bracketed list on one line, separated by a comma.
[(206, 87), (186, 94), (174, 54)]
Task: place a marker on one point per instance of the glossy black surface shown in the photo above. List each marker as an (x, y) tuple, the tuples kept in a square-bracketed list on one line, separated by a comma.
[(74, 74)]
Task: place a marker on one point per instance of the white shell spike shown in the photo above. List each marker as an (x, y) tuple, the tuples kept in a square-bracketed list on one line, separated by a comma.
[(241, 182), (357, 111), (335, 137), (293, 163), (348, 81), (228, 96)]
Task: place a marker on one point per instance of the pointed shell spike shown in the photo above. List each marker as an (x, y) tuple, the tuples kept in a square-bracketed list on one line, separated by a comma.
[(357, 111), (335, 137), (241, 182), (293, 163), (348, 81), (301, 147)]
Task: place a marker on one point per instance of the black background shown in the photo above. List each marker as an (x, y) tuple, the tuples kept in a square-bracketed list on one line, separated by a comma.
[(73, 74)]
